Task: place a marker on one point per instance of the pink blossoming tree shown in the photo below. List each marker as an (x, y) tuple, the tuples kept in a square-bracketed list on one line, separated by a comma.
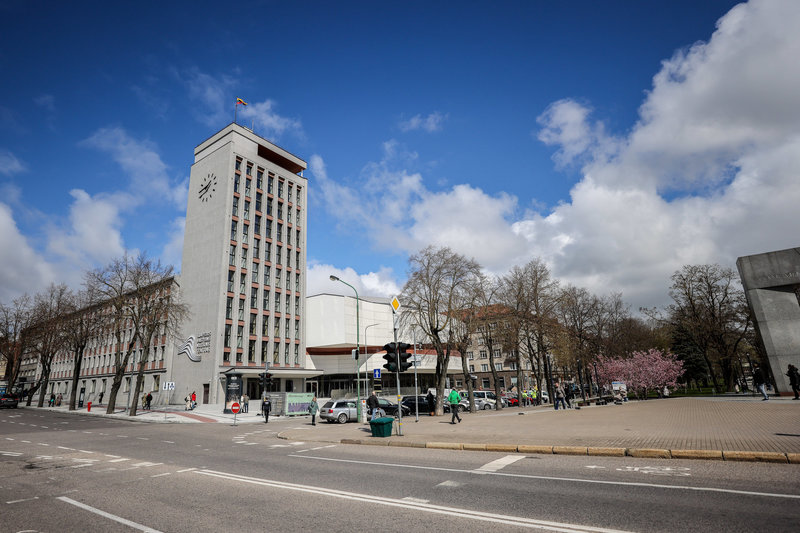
[(642, 371)]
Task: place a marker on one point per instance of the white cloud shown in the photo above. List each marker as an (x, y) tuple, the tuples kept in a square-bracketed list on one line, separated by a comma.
[(708, 173), (172, 252), (46, 101), (380, 283), (140, 160), (9, 164), (266, 121), (212, 96), (433, 122), (23, 268)]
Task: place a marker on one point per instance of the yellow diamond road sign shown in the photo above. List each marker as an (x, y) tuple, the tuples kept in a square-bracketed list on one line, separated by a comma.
[(395, 303)]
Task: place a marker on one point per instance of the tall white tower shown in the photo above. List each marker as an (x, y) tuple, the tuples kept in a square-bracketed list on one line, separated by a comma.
[(243, 273)]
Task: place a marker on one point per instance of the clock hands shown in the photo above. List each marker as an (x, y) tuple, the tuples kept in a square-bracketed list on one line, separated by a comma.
[(205, 188)]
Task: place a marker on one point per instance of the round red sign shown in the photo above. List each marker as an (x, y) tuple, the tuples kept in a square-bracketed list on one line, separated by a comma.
[(235, 407)]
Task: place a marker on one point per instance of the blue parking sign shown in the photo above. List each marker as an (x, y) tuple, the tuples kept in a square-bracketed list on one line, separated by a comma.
[(376, 374)]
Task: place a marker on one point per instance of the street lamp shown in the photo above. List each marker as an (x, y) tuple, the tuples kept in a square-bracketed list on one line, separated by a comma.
[(358, 350), (366, 355)]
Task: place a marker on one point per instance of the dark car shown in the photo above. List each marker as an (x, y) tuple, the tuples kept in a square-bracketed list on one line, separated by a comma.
[(412, 401), (390, 408), (9, 401)]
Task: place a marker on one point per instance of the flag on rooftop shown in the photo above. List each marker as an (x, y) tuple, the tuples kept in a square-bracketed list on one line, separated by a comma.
[(240, 101)]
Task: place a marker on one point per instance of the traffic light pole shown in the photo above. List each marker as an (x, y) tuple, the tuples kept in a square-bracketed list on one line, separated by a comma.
[(397, 375)]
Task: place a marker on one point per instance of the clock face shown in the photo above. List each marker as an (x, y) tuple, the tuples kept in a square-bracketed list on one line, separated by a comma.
[(207, 187)]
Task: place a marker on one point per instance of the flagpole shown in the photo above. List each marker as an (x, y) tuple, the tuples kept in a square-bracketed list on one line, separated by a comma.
[(235, 108)]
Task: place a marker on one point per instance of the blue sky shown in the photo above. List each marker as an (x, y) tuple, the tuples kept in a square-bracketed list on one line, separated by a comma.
[(617, 140)]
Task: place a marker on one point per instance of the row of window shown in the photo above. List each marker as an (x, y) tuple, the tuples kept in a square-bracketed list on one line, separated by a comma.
[(271, 179), (290, 352)]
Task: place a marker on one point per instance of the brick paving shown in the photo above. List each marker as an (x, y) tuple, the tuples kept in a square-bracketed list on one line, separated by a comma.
[(739, 423)]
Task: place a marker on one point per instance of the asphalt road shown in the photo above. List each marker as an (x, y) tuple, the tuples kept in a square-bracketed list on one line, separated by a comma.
[(62, 472)]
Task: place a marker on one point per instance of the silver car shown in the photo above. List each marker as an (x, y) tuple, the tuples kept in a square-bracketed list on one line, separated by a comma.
[(339, 411)]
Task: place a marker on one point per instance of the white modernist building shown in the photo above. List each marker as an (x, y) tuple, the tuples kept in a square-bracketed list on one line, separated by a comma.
[(243, 273)]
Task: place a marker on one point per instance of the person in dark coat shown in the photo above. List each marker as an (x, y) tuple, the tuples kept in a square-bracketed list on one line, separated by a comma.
[(431, 403), (266, 407), (372, 404), (794, 381), (759, 381)]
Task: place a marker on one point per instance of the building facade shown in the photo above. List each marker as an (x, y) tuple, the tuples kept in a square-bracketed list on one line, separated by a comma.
[(243, 272)]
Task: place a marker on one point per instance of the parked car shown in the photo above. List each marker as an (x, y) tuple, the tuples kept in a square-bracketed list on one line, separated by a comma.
[(510, 401), (412, 401), (341, 411), (390, 408), (9, 401), (484, 400)]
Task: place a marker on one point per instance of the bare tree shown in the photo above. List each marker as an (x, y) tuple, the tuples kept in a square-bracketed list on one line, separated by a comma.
[(48, 333), (577, 311), (15, 322), (84, 321), (464, 328), (710, 311), (490, 332), (433, 295)]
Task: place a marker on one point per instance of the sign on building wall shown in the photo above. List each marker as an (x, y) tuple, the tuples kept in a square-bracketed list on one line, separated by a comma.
[(297, 403)]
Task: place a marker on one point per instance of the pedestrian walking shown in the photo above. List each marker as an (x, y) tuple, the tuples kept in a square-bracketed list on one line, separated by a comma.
[(794, 381), (759, 381), (194, 400), (535, 395), (373, 405), (100, 398), (188, 400), (148, 400), (245, 403), (454, 398), (58, 400), (431, 403), (569, 395), (313, 408), (266, 407), (52, 401), (560, 396)]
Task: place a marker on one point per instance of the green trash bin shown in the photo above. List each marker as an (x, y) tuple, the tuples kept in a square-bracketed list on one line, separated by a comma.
[(381, 427)]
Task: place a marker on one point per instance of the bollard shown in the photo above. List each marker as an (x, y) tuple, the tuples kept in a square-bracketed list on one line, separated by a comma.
[(89, 406)]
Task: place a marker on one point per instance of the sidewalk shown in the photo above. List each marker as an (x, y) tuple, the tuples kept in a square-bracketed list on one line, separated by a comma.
[(729, 428)]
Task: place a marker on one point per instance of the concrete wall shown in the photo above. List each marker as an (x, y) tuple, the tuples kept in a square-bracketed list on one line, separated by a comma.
[(770, 282)]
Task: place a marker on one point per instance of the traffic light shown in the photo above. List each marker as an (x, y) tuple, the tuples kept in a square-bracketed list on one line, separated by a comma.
[(403, 356), (391, 357), (266, 380)]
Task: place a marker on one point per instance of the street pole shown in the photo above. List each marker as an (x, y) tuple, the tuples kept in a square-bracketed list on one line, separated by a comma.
[(397, 375), (358, 350), (416, 387), (366, 355)]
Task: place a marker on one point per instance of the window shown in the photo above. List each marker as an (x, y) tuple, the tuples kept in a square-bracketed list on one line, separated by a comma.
[(277, 280), (229, 308), (502, 382), (231, 275), (249, 170), (268, 230), (484, 368), (297, 282), (280, 189), (244, 257), (232, 256), (227, 335), (289, 192), (470, 356), (245, 232), (275, 351), (286, 354), (270, 180), (297, 305), (236, 206), (239, 337), (260, 179), (253, 298), (256, 252), (276, 322), (512, 366), (238, 164), (265, 327), (498, 366), (278, 255), (234, 226), (236, 183), (241, 311), (265, 301), (251, 351), (296, 329), (296, 354), (247, 209), (258, 201), (472, 368), (267, 280), (297, 201), (280, 211), (156, 383), (485, 383), (277, 306), (257, 224), (297, 237), (255, 268), (264, 346), (267, 251), (247, 183), (497, 354), (269, 206), (297, 259), (483, 354), (286, 325), (280, 232)]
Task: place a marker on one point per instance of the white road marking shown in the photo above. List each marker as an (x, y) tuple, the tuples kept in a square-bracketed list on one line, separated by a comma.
[(595, 466), (168, 441), (82, 465), (118, 460), (24, 500), (164, 474), (11, 454), (449, 484), (414, 505), (186, 470), (499, 464), (110, 516), (85, 451), (567, 479), (65, 448), (415, 500)]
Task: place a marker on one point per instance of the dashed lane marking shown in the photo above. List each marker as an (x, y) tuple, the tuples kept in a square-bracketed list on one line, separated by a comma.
[(498, 464), (110, 516), (23, 500)]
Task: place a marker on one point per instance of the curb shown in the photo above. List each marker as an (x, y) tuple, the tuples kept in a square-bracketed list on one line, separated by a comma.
[(642, 453)]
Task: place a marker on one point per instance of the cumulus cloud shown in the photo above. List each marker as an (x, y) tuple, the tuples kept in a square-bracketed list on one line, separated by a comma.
[(23, 268), (172, 252), (9, 164), (380, 283), (707, 173), (266, 121)]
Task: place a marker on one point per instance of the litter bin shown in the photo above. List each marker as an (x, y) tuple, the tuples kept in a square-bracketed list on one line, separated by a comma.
[(89, 406), (381, 427)]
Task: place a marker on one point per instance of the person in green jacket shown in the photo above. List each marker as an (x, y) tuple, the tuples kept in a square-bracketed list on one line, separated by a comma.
[(313, 409), (454, 398)]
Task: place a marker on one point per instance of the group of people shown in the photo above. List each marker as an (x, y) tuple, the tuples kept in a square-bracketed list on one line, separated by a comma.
[(146, 401), (191, 401), (55, 401)]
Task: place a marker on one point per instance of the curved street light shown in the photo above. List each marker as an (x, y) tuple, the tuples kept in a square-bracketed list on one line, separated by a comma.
[(358, 349)]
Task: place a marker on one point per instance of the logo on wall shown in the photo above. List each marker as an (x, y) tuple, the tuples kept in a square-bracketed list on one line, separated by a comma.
[(194, 346)]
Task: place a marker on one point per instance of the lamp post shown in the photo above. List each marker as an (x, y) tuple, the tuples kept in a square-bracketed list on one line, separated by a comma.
[(358, 350), (366, 355)]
